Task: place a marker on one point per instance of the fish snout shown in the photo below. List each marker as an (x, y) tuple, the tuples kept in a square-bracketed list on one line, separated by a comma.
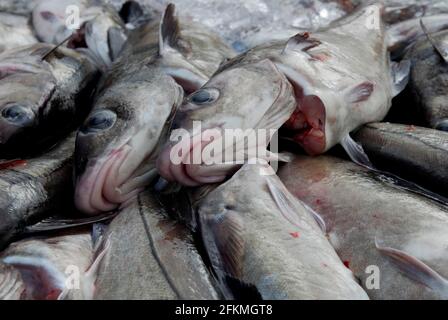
[(442, 125)]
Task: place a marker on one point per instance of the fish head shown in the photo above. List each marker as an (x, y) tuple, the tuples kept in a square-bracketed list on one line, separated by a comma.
[(117, 145), (242, 100)]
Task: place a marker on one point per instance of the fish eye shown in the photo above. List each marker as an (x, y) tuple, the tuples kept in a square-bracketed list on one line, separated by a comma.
[(18, 115), (204, 96), (99, 121)]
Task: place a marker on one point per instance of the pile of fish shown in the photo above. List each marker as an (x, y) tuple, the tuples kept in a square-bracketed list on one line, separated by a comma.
[(99, 105)]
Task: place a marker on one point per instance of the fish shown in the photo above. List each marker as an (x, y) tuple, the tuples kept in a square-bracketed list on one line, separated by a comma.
[(415, 153), (32, 189), (85, 24), (118, 144), (258, 235), (429, 71), (14, 32), (151, 256), (60, 267), (44, 94), (18, 7), (331, 82), (393, 240)]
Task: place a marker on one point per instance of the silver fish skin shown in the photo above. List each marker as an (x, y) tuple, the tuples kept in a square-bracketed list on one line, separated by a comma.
[(338, 78), (257, 233), (414, 153), (118, 144), (429, 76), (41, 268), (14, 32), (43, 96), (394, 241), (19, 7), (151, 257), (31, 189)]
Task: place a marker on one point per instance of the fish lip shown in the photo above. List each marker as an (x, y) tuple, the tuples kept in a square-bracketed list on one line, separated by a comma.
[(187, 174), (90, 194)]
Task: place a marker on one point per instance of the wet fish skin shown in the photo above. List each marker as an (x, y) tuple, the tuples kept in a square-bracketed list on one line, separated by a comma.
[(14, 32), (12, 286), (365, 214), (41, 267), (134, 107), (428, 82), (341, 78), (274, 246), (32, 189), (42, 100), (414, 153), (151, 257)]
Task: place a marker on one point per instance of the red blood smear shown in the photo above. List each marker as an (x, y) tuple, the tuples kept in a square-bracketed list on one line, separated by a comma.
[(347, 264), (410, 128), (12, 164), (294, 234)]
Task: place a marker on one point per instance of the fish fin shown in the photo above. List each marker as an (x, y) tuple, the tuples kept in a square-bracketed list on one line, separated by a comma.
[(415, 268), (242, 290), (47, 54), (301, 42), (170, 35), (115, 39), (437, 45), (361, 92), (223, 237), (131, 12), (53, 223), (288, 204), (355, 151), (400, 75)]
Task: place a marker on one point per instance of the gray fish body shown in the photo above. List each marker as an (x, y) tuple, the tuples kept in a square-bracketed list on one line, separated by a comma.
[(42, 98), (40, 268), (415, 153), (369, 221), (136, 102), (29, 189), (14, 32), (281, 251), (151, 257), (429, 79)]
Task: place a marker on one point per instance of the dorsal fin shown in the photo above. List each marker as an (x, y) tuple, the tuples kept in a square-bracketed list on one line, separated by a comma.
[(169, 33)]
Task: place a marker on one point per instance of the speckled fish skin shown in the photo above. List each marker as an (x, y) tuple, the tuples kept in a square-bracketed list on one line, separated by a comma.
[(429, 77), (359, 209), (31, 189), (14, 32), (250, 239), (414, 153), (42, 100), (140, 95), (151, 257), (39, 268)]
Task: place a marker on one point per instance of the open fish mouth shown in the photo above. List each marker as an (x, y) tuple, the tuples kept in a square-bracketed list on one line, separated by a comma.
[(107, 184), (308, 123), (205, 158)]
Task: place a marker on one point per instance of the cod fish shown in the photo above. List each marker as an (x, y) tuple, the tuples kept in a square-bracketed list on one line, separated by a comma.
[(393, 240), (14, 32), (44, 94), (256, 233), (429, 76), (57, 267), (334, 80), (86, 23), (117, 147), (151, 256), (414, 153), (31, 189)]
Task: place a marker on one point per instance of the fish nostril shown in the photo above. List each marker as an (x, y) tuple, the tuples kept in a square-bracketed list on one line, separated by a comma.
[(442, 125)]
